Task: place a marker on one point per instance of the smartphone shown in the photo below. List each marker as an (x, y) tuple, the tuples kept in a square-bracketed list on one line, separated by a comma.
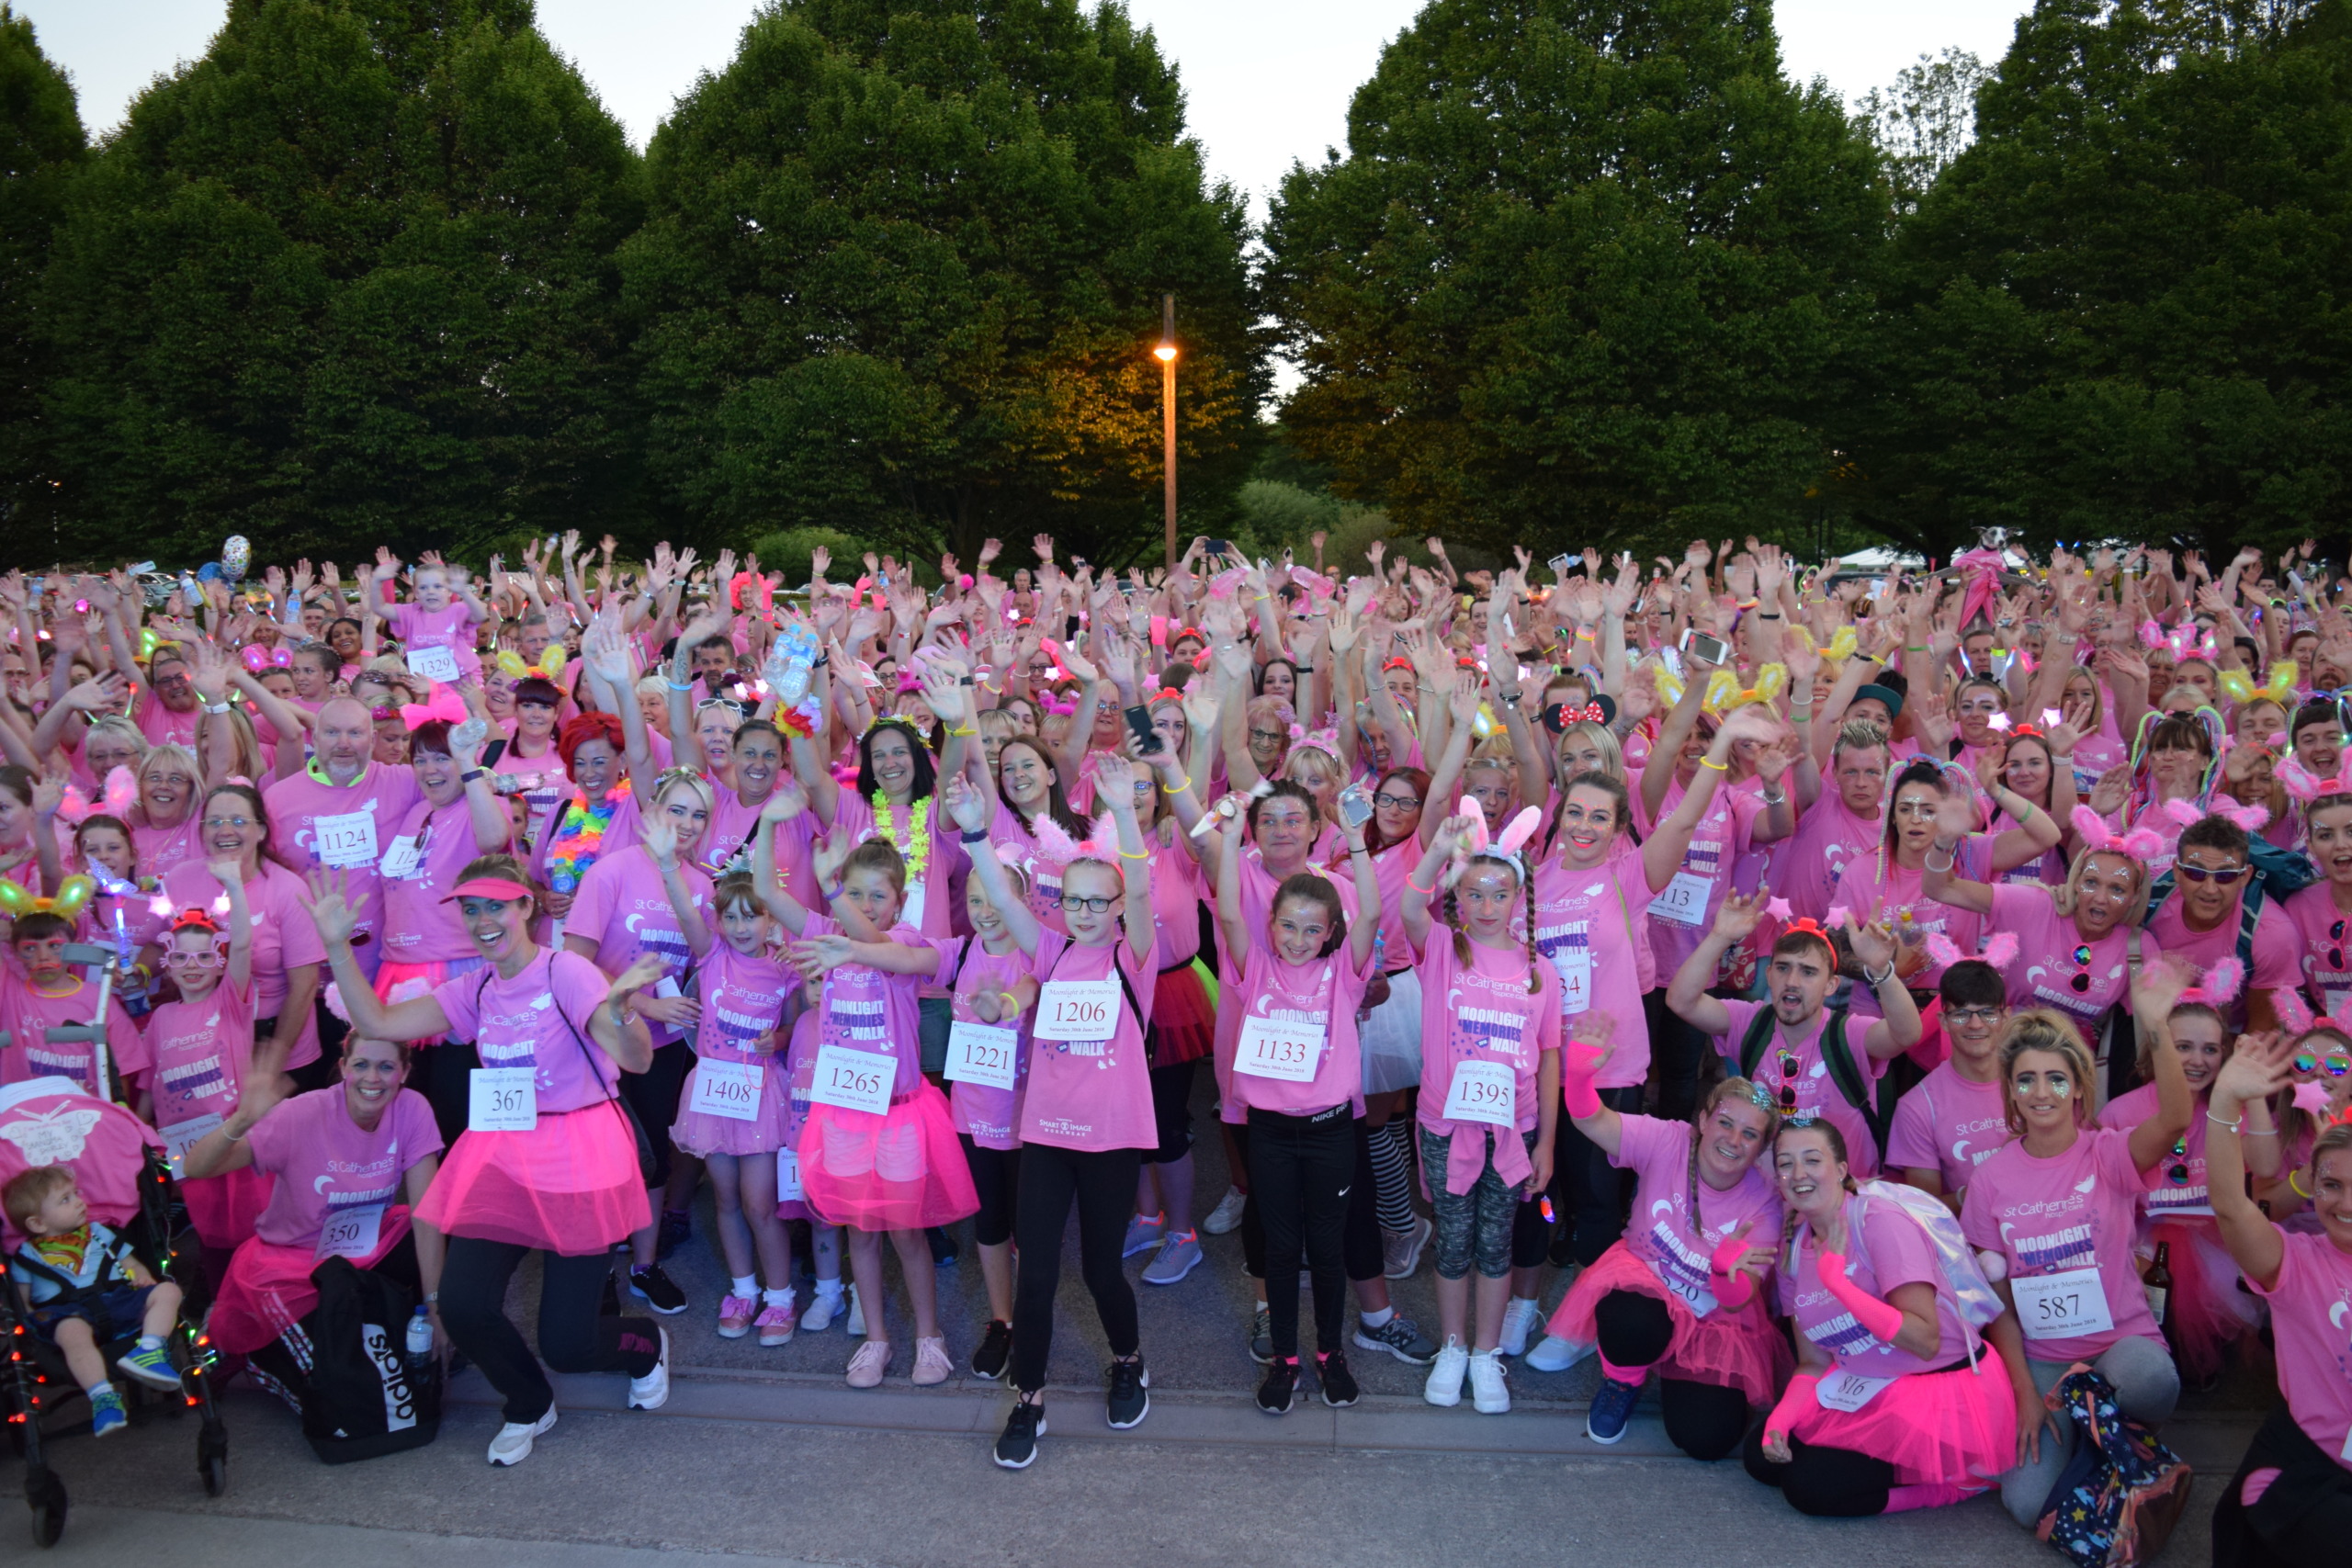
[(1150, 742), (1560, 565), (1221, 548), (1878, 588), (1714, 650), (1355, 806)]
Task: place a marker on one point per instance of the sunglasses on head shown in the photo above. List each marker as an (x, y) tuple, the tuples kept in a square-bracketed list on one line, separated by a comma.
[(2224, 874)]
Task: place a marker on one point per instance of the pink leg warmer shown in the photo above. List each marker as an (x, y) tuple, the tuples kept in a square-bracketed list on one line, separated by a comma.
[(1903, 1500)]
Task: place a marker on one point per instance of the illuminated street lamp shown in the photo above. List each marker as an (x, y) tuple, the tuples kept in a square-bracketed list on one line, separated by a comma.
[(1166, 355)]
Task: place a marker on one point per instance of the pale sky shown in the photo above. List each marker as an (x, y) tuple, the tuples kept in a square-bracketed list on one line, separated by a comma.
[(1266, 81)]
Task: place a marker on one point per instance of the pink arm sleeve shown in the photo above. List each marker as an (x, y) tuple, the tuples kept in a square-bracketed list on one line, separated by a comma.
[(1575, 1079), (1795, 1403), (1731, 1289), (1883, 1319)]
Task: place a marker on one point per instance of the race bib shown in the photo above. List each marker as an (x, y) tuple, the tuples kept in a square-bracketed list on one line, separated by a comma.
[(787, 1176), (728, 1089), (434, 664), (1684, 899), (2062, 1306), (981, 1054), (502, 1100), (181, 1137), (1077, 1013), (1277, 1048), (1575, 964), (1848, 1391), (854, 1080), (354, 1232), (1483, 1091), (345, 840), (400, 861)]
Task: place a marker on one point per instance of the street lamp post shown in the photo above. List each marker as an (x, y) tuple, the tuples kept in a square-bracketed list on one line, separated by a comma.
[(1166, 355)]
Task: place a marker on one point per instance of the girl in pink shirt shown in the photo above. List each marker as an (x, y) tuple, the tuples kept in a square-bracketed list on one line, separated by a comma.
[(286, 954), (2291, 1500), (878, 1151), (121, 913), (1296, 1072)]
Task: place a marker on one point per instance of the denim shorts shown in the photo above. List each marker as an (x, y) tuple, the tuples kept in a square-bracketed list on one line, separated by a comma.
[(112, 1315)]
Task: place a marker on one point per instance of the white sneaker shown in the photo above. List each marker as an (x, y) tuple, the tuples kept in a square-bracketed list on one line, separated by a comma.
[(823, 1307), (1444, 1387), (513, 1444), (1226, 1215), (856, 1316), (652, 1391), (1486, 1390), (1556, 1355), (1519, 1319)]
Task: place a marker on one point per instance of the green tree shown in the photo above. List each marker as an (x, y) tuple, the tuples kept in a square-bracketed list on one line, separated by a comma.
[(903, 274), (41, 150), (2120, 314), (1924, 121), (349, 278), (1584, 275)]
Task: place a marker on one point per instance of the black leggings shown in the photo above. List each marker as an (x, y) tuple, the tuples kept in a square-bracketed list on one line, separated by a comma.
[(1361, 1254), (1103, 1184), (1302, 1170), (996, 1177), (1678, 1058), (1596, 1190), (572, 1336), (1704, 1420), (1830, 1484), (653, 1094), (442, 1074)]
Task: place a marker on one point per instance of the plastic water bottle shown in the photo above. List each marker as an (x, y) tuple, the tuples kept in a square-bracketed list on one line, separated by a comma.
[(420, 1343)]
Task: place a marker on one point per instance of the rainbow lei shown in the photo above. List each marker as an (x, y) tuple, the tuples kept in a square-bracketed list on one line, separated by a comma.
[(913, 841), (581, 833)]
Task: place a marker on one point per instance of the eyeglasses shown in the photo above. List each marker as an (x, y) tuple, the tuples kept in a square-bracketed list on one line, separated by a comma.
[(178, 960), (2333, 1066), (1974, 1015), (1073, 903), (2224, 875), (1268, 736), (214, 824), (1397, 802), (2082, 980)]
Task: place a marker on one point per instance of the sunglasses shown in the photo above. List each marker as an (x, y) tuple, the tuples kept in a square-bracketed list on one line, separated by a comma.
[(2333, 1066), (1790, 1068), (2225, 875), (2336, 953), (2082, 980), (2177, 1173)]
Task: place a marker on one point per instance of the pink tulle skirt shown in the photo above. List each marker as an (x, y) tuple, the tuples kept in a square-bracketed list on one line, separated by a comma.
[(1727, 1348), (224, 1207), (698, 1132), (1183, 1019), (268, 1290), (902, 1170), (571, 1185), (2210, 1314), (1954, 1428), (397, 982)]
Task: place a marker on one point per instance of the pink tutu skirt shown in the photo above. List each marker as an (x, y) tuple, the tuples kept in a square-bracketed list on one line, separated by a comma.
[(903, 1170), (698, 1132), (224, 1207), (397, 982), (571, 1185), (268, 1290), (1726, 1349), (1951, 1428), (1183, 1018), (2210, 1314)]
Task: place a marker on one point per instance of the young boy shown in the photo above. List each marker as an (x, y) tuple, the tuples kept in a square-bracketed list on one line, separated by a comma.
[(84, 1288), (50, 995), (1955, 1120)]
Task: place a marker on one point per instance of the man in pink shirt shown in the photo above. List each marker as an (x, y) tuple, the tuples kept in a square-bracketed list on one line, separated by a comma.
[(1843, 821), (341, 810), (168, 708), (2203, 921)]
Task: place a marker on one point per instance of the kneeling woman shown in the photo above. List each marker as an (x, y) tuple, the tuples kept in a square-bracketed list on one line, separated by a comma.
[(1680, 1291), (545, 1163), (1896, 1403), (350, 1163)]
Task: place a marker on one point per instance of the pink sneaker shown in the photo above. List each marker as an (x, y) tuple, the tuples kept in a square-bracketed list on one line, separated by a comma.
[(775, 1325), (865, 1368), (932, 1365), (735, 1316)]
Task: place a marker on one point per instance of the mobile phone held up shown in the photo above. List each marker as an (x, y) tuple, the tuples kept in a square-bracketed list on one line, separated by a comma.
[(1149, 741), (1714, 650), (1355, 806)]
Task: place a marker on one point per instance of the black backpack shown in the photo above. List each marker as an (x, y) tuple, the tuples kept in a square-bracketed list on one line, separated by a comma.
[(359, 1400), (1875, 1100)]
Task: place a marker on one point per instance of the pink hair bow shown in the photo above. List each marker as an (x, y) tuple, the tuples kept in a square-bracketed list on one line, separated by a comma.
[(1503, 846), (2141, 844), (258, 659), (2000, 950), (1052, 704), (443, 703)]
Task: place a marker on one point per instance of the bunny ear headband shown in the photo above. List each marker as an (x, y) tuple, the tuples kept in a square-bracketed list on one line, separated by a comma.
[(2141, 844), (549, 666), (2220, 986), (121, 791), (259, 659), (1723, 691), (2239, 689), (1325, 740), (17, 900), (1504, 846), (1102, 841), (2000, 951), (445, 704), (2307, 786), (2253, 819), (2296, 1014)]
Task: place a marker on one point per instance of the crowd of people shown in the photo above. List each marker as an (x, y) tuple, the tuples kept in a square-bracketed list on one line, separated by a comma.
[(1871, 993)]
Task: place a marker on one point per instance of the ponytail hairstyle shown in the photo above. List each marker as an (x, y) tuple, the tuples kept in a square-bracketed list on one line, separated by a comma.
[(2043, 1029)]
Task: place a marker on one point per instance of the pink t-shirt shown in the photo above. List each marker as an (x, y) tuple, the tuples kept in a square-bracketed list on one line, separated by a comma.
[(1176, 901), (202, 1052), (451, 627), (1886, 1246), (2326, 933), (1817, 1092), (327, 1163), (2046, 970), (1317, 998), (1043, 867), (164, 726), (1092, 1096), (1947, 1125), (28, 1015), (1891, 892), (1390, 867), (1591, 924), (1806, 865), (161, 849), (732, 824), (2176, 1186), (988, 1115), (866, 1008), (1258, 888), (431, 846), (622, 908), (2309, 1308), (742, 999), (283, 937), (1662, 1233), (1483, 1012), (2278, 946), (360, 820), (2079, 1210), (931, 902), (1726, 832), (539, 1020)]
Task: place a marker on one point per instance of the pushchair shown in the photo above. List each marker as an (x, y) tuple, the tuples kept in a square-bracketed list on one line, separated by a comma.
[(120, 1164)]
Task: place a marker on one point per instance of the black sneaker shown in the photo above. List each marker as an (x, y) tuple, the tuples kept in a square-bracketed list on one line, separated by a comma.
[(1016, 1445), (1130, 1399), (1338, 1382), (1261, 1335), (676, 1227), (1281, 1379), (996, 1350), (657, 1289), (942, 1247)]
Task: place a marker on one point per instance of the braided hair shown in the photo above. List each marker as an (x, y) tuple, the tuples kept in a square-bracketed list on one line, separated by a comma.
[(1746, 1093), (1461, 938)]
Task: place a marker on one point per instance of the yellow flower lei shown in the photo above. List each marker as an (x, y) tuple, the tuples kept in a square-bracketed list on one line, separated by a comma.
[(913, 841)]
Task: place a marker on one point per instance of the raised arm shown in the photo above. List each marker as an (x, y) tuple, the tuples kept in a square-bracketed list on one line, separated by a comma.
[(419, 1018), (1900, 1029), (2156, 990), (784, 805), (1686, 993), (969, 808), (1954, 820), (1231, 924), (1115, 788), (2249, 1079), (662, 843)]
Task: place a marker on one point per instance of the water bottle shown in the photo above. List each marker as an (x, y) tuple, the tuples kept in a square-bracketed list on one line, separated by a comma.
[(420, 1344)]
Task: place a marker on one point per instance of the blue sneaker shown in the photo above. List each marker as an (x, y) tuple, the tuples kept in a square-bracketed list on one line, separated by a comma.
[(1612, 1402), (107, 1413), (152, 1366)]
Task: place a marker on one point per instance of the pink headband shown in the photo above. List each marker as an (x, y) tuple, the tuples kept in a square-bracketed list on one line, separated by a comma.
[(487, 888), (2141, 844)]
